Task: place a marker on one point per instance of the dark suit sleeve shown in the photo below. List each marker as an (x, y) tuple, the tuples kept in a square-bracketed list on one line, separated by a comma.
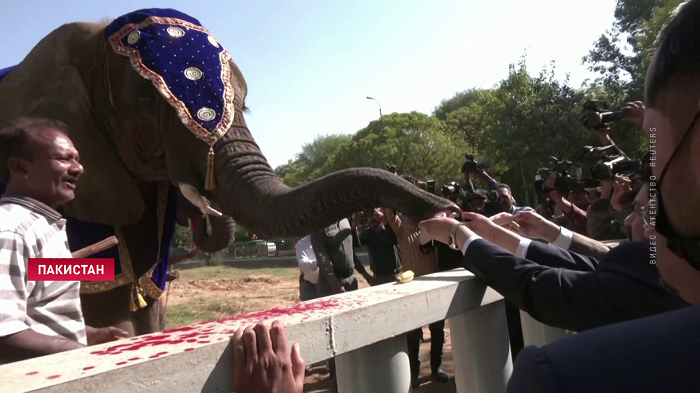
[(547, 255), (532, 373), (557, 297)]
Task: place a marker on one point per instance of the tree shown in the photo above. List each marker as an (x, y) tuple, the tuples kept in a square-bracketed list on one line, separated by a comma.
[(315, 160), (182, 237), (415, 142), (460, 100)]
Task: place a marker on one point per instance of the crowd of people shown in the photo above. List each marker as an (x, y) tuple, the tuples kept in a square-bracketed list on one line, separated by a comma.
[(634, 305)]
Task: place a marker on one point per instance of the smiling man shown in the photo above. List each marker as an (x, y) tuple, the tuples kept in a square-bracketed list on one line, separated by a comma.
[(40, 167)]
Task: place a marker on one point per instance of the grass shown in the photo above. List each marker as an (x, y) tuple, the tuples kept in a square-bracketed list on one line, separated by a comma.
[(200, 309), (210, 272)]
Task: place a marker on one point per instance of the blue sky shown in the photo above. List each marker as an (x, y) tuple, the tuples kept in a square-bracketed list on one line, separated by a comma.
[(309, 64)]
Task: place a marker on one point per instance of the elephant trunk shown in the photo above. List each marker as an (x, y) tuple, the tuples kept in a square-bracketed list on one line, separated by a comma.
[(222, 228), (249, 191)]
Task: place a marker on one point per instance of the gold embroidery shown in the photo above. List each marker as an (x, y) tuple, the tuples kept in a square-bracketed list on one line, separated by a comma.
[(146, 281), (124, 278), (182, 112)]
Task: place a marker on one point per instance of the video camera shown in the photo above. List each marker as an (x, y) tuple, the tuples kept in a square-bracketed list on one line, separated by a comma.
[(432, 188), (493, 204), (472, 166), (608, 161), (451, 191), (564, 183), (597, 116)]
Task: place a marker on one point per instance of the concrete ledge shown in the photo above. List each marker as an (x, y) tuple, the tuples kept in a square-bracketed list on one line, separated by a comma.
[(198, 358)]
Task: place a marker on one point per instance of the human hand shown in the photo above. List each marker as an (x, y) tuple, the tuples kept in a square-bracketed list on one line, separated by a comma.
[(439, 228), (357, 219), (104, 335), (534, 226), (262, 361), (480, 225), (606, 188), (551, 180), (634, 113), (620, 194)]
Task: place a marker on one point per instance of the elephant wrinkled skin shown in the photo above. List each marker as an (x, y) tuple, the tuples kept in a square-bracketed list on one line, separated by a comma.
[(129, 138)]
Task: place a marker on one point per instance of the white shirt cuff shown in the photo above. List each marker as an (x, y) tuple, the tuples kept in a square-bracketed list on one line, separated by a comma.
[(468, 242), (521, 251), (564, 239)]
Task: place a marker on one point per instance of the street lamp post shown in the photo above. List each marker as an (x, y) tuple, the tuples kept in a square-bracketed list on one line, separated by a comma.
[(379, 105)]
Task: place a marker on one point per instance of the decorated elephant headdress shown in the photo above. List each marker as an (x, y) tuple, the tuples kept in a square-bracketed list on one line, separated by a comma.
[(186, 64)]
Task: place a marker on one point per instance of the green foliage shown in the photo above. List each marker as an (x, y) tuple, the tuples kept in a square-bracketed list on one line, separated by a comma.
[(415, 142), (182, 237), (516, 125)]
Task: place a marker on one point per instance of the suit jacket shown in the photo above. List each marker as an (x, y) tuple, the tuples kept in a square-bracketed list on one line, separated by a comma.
[(649, 355), (588, 246), (571, 291), (335, 257)]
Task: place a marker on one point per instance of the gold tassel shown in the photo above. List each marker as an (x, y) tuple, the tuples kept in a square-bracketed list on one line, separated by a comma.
[(210, 183), (132, 306), (136, 298), (142, 301)]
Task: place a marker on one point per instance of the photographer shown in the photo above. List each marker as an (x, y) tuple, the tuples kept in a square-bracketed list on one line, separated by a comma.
[(474, 202), (574, 208), (480, 174), (556, 287), (505, 197)]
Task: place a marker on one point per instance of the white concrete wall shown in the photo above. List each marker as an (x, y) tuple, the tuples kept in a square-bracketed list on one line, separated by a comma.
[(198, 358)]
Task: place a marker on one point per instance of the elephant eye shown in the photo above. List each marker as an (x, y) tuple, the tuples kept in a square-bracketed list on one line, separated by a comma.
[(147, 103)]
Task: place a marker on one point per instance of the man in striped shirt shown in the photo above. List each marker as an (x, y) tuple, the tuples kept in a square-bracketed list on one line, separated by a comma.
[(39, 166)]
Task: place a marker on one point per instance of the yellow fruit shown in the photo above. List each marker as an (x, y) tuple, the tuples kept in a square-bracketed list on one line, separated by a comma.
[(405, 277)]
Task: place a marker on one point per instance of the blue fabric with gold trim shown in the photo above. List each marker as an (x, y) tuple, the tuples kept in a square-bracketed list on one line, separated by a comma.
[(3, 73), (185, 63), (159, 275)]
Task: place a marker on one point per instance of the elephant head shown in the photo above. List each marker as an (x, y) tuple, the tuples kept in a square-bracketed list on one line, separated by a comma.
[(130, 129)]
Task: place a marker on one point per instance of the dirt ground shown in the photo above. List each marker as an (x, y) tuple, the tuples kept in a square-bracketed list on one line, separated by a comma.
[(208, 293)]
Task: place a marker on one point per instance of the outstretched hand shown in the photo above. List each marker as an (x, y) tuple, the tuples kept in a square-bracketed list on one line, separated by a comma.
[(262, 361), (634, 113), (534, 226)]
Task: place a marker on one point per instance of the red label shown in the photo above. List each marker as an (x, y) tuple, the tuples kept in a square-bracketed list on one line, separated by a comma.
[(70, 269)]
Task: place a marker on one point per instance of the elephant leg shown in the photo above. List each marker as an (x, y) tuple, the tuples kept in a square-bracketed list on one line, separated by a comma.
[(119, 314), (148, 319)]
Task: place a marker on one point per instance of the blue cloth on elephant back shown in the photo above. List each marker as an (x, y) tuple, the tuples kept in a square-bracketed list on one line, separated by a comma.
[(185, 63), (160, 273), (3, 73)]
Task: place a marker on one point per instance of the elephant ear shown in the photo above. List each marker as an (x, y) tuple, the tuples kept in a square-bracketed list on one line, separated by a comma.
[(51, 83)]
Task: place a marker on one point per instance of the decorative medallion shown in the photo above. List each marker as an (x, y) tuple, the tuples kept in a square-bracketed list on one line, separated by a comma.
[(176, 32), (133, 37), (206, 114), (206, 107), (193, 73)]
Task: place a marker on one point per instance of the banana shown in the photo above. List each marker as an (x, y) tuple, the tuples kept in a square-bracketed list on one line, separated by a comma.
[(404, 277)]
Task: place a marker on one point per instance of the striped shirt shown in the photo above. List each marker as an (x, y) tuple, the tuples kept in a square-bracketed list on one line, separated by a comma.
[(30, 229)]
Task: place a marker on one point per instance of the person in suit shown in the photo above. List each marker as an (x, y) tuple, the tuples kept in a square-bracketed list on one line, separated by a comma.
[(557, 287), (649, 355), (335, 258)]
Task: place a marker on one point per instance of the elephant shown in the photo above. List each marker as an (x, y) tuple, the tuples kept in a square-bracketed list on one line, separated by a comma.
[(151, 114)]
